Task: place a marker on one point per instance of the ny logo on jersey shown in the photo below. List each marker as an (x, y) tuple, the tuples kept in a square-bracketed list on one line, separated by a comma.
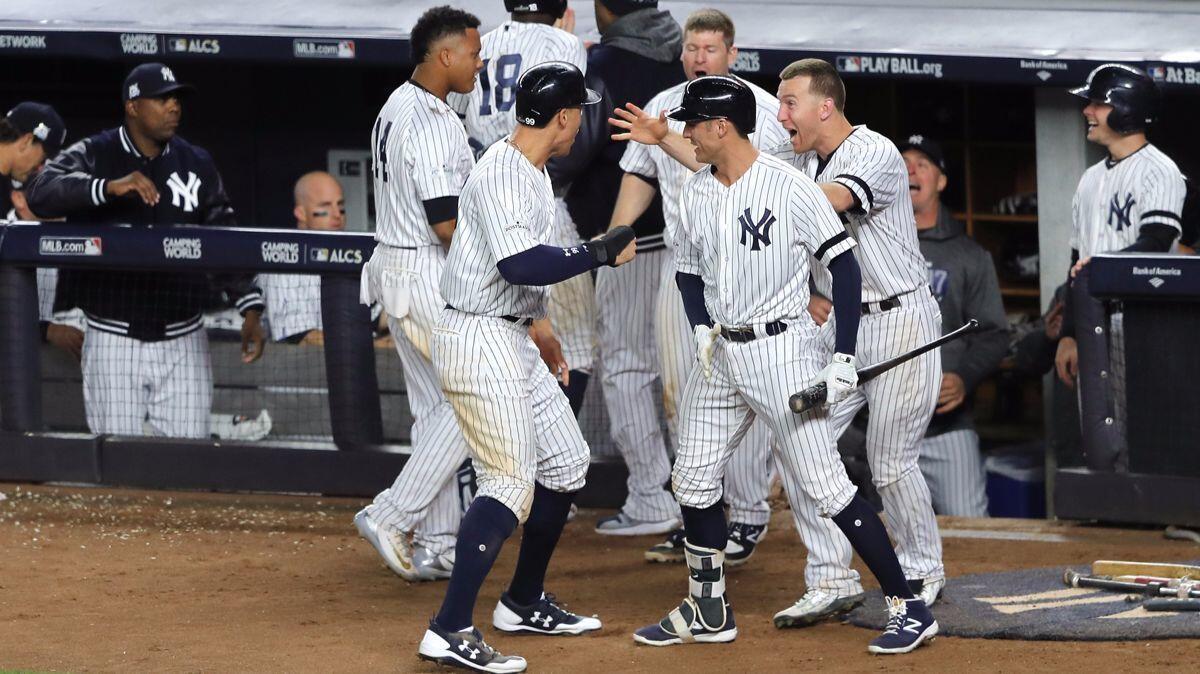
[(757, 233), (184, 194), (1120, 212), (537, 617)]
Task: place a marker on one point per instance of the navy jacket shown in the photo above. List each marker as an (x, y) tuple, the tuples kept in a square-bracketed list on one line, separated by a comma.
[(149, 306)]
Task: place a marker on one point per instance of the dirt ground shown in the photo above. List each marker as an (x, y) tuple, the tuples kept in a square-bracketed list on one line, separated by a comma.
[(120, 580)]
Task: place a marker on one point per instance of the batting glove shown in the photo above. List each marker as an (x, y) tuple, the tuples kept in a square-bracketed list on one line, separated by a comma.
[(840, 378), (706, 339)]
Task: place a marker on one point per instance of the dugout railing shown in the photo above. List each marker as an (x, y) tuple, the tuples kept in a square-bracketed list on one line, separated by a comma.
[(1136, 322), (352, 456)]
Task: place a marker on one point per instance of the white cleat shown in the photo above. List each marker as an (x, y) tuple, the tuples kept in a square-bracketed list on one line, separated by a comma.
[(395, 550)]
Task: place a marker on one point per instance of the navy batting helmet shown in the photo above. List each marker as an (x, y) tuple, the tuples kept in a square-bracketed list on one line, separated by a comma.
[(549, 87), (716, 97), (1130, 91), (555, 8)]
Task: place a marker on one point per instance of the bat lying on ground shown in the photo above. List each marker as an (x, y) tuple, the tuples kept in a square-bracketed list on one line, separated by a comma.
[(814, 396), (1171, 604), (1182, 589), (1115, 568)]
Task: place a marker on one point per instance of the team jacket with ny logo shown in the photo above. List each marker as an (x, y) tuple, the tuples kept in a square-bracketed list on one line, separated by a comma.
[(145, 305)]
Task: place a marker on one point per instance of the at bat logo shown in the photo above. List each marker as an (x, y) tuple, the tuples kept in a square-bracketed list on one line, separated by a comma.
[(757, 234), (336, 255)]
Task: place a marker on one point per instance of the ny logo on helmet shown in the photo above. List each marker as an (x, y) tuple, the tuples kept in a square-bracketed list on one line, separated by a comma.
[(756, 233), (1120, 212)]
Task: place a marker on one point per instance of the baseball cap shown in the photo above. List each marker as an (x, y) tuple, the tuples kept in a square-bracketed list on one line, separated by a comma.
[(150, 80), (42, 121), (623, 7), (927, 146)]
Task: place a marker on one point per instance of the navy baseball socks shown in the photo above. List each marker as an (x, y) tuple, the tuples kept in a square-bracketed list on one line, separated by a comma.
[(484, 528), (527, 607), (704, 616), (910, 623)]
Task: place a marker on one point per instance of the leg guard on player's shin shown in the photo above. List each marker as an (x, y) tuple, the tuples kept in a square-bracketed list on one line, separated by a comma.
[(704, 616)]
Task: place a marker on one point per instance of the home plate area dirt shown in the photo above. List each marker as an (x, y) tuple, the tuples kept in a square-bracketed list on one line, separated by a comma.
[(99, 579)]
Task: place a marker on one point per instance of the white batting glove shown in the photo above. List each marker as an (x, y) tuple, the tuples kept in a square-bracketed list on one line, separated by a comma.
[(840, 378), (706, 339)]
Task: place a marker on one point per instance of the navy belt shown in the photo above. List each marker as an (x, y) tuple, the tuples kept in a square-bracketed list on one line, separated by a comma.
[(888, 304), (523, 322), (747, 334)]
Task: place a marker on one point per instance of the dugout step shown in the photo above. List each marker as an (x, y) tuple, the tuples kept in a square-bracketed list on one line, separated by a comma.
[(1126, 498)]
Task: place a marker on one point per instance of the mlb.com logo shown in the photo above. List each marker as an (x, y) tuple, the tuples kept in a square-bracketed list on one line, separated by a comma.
[(336, 255), (70, 245), (1158, 73)]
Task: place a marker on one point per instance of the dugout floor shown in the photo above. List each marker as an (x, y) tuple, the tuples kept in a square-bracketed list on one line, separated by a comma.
[(119, 580)]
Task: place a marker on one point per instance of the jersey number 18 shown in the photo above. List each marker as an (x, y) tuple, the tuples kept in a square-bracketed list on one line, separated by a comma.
[(508, 67)]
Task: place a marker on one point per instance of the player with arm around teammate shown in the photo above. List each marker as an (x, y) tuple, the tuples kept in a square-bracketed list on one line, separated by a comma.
[(865, 179), (1132, 200), (529, 453), (749, 226)]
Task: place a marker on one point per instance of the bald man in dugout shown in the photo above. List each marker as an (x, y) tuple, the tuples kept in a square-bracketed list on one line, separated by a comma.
[(294, 300)]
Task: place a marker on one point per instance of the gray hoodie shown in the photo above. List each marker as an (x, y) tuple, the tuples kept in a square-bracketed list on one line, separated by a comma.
[(963, 278)]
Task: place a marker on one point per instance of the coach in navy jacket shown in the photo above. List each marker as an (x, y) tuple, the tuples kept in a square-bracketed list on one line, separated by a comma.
[(142, 173)]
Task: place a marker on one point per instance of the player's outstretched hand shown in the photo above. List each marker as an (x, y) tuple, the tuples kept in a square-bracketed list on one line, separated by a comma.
[(1066, 361), (840, 378), (819, 308), (253, 338), (136, 184), (542, 334), (67, 338), (615, 247), (567, 22), (952, 393), (638, 126)]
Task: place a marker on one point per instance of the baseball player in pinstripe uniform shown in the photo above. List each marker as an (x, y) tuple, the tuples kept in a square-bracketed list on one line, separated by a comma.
[(530, 37), (421, 159), (866, 181), (707, 50), (963, 278), (529, 453), (1132, 200), (748, 227)]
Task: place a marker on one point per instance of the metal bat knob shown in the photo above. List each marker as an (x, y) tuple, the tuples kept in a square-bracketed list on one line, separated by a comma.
[(810, 398)]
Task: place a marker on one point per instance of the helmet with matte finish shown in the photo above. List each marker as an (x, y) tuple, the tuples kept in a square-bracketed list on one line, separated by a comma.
[(549, 87), (717, 97), (1133, 95)]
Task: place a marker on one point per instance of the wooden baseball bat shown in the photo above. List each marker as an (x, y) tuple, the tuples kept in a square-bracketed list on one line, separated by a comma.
[(1164, 604), (815, 395), (1075, 579)]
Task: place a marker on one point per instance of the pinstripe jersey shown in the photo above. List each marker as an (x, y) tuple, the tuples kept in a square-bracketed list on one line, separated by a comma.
[(870, 166), (1114, 200), (751, 242), (419, 152), (293, 303), (652, 162), (506, 207), (489, 111)]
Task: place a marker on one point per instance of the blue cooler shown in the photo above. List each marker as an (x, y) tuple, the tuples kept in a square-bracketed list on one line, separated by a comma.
[(1016, 485)]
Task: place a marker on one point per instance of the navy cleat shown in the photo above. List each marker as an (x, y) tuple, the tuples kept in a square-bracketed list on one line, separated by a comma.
[(465, 650), (910, 624), (743, 538), (705, 616), (544, 616)]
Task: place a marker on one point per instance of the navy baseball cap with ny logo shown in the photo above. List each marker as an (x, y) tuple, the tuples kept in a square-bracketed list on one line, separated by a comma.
[(42, 121), (151, 80)]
